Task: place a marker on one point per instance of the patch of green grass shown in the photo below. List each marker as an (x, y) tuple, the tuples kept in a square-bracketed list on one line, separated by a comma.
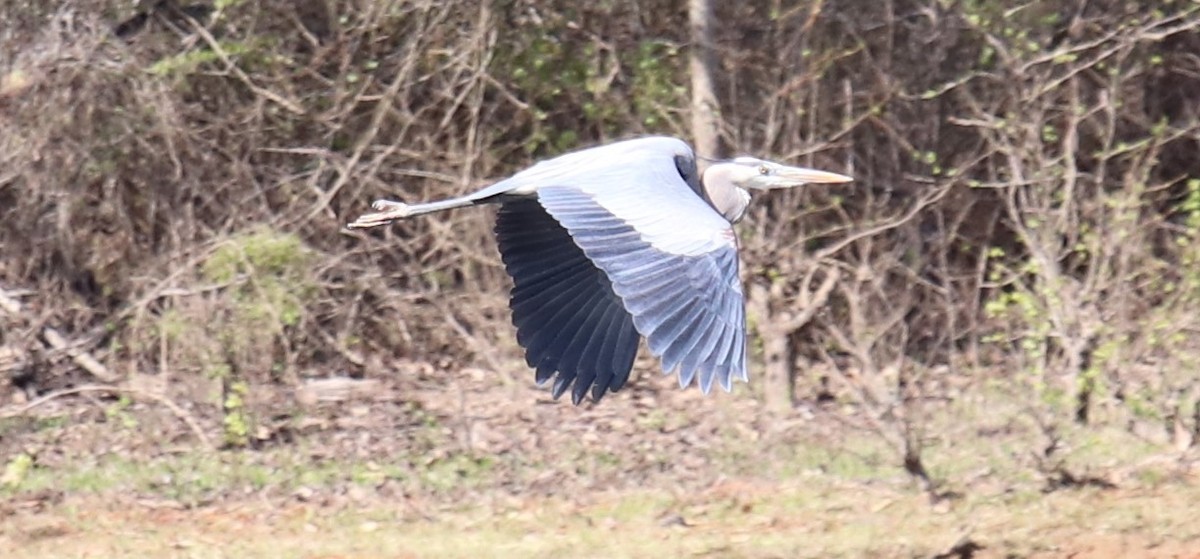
[(183, 477), (199, 476), (11, 426), (456, 471)]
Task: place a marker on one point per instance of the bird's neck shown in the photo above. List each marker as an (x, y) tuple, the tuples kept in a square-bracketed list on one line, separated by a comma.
[(717, 183)]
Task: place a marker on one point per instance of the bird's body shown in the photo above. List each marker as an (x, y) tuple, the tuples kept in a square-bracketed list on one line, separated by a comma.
[(627, 240)]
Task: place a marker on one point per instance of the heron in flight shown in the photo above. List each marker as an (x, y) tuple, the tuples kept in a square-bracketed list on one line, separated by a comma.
[(627, 240)]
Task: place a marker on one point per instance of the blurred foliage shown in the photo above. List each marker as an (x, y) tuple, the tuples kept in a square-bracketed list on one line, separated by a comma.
[(16, 470), (273, 271)]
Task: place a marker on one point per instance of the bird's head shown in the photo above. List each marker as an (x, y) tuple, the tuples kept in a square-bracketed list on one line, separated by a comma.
[(755, 174), (726, 182)]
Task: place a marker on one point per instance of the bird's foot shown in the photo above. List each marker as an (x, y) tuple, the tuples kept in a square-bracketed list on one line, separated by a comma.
[(386, 211)]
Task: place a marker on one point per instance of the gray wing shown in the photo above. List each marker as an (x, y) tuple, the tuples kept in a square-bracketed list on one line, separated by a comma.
[(568, 319), (688, 304)]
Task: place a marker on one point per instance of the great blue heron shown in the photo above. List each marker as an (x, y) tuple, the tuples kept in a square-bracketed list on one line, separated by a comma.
[(627, 239)]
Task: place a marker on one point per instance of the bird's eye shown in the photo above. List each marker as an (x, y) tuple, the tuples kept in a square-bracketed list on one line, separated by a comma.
[(764, 170)]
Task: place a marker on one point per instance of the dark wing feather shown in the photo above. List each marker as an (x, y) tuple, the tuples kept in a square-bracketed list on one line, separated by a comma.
[(570, 322), (688, 306)]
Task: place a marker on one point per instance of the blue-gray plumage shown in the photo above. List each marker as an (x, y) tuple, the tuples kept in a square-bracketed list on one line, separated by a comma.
[(613, 243), (568, 319)]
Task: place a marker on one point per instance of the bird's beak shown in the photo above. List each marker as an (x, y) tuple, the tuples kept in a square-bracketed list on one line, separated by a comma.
[(802, 175)]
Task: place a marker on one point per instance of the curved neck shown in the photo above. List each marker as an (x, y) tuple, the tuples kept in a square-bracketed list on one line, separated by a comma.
[(722, 194)]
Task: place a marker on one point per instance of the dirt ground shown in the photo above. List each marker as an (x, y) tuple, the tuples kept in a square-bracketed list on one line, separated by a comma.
[(734, 519), (474, 463)]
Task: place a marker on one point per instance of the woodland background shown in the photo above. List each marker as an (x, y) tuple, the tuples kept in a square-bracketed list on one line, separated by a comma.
[(1005, 305)]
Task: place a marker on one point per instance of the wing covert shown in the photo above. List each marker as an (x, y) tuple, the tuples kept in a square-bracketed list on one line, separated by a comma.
[(638, 180)]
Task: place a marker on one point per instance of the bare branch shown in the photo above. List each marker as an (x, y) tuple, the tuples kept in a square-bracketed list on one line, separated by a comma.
[(56, 340)]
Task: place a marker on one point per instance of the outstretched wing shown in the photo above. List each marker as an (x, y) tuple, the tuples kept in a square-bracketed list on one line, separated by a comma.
[(669, 257), (568, 319), (688, 305)]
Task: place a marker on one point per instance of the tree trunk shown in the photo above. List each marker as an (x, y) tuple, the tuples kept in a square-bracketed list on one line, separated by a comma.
[(775, 323), (705, 108), (778, 380), (779, 375)]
